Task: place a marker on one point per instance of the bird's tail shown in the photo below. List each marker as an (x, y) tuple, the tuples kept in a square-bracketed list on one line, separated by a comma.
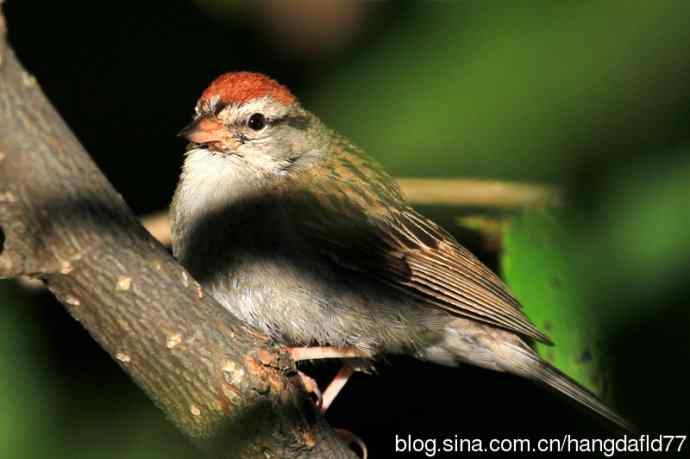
[(504, 351), (556, 379), (526, 362)]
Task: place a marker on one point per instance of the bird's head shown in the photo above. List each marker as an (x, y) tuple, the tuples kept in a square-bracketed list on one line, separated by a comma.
[(250, 116)]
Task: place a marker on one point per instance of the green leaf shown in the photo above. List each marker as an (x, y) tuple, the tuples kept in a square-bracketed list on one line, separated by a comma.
[(538, 271)]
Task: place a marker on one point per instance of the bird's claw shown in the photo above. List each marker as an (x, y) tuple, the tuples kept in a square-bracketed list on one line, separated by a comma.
[(311, 386), (350, 438)]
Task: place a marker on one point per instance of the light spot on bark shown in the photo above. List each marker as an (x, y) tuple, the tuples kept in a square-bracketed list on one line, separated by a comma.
[(199, 291), (173, 340), (185, 279), (66, 267), (123, 357), (123, 283), (3, 155), (73, 300), (8, 196), (195, 410), (193, 337), (309, 439), (232, 372), (231, 397), (28, 80), (157, 265)]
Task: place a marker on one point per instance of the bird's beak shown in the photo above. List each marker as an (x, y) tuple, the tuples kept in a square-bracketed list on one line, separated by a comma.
[(203, 130)]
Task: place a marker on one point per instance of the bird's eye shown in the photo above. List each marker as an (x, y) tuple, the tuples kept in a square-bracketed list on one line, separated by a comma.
[(257, 121)]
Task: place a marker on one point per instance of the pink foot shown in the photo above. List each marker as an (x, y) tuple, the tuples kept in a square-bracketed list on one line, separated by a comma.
[(334, 388), (312, 388), (325, 352)]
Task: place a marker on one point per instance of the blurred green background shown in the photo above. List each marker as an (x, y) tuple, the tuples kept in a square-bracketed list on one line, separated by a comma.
[(590, 96)]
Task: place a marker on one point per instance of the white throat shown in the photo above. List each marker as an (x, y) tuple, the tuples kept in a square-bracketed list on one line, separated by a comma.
[(210, 183)]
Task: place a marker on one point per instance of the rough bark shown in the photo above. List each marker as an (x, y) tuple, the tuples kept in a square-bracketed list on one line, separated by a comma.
[(61, 221)]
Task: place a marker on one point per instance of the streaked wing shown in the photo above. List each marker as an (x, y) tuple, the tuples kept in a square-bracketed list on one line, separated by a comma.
[(360, 221)]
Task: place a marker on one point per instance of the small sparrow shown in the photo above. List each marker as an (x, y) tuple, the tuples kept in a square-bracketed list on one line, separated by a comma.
[(300, 233)]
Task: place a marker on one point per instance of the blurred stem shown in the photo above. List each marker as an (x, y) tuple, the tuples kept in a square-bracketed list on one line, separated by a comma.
[(159, 226), (477, 193)]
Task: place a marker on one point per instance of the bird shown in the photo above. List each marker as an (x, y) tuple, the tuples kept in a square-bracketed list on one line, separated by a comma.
[(303, 235)]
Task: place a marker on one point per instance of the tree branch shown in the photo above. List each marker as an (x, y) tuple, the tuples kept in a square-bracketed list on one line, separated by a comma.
[(61, 221)]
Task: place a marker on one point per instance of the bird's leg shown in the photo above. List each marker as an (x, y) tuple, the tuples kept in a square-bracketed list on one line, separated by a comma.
[(340, 379), (325, 352), (349, 438), (336, 385), (312, 387)]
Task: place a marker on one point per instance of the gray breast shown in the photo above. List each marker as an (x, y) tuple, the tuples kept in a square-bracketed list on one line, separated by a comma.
[(242, 248)]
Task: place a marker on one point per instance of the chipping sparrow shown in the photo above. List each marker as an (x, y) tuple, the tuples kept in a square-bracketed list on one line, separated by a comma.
[(301, 234)]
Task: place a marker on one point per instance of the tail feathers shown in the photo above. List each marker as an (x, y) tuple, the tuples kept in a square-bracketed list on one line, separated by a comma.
[(469, 342), (525, 362), (556, 379)]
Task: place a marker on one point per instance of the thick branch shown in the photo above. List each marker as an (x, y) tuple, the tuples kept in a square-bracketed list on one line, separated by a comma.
[(62, 221)]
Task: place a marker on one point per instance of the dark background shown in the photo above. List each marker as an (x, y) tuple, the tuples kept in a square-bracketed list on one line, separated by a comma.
[(593, 97)]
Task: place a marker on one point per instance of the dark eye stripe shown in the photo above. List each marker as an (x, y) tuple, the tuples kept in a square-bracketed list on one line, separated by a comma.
[(296, 121)]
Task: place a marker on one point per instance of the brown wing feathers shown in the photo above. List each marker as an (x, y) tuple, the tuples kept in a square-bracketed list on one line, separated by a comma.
[(445, 272), (377, 233), (416, 257)]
